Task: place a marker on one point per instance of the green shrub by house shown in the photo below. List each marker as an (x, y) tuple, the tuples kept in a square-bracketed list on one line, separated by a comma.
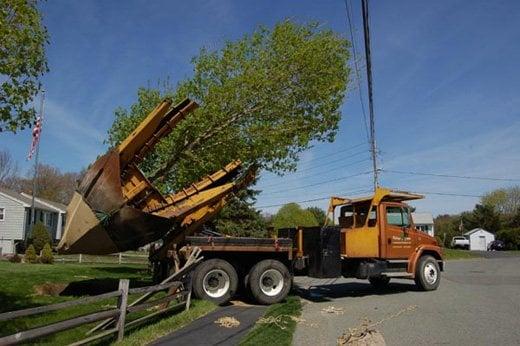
[(47, 256), (39, 236), (30, 255)]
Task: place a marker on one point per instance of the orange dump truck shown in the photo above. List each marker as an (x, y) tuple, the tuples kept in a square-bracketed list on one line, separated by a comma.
[(116, 208)]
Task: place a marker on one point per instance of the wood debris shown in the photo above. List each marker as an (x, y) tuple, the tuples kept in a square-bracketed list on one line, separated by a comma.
[(228, 322), (332, 310)]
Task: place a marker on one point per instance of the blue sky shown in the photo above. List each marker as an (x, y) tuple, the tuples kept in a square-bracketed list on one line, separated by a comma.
[(446, 82)]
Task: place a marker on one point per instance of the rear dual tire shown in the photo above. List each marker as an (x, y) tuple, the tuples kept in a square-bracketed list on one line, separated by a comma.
[(215, 280), (269, 282)]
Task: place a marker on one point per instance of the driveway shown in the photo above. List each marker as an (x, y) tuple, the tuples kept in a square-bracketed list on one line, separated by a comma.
[(477, 303)]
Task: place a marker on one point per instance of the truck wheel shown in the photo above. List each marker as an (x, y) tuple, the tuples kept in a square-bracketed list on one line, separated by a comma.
[(269, 281), (427, 274), (379, 281), (215, 280)]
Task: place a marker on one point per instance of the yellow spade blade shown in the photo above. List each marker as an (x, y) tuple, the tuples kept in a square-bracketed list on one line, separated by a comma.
[(83, 231)]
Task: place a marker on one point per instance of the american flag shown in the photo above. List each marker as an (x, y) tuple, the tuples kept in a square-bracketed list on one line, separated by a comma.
[(36, 132)]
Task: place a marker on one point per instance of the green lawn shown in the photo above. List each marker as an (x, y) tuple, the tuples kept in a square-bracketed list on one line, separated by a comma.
[(273, 333), (458, 254), (17, 291)]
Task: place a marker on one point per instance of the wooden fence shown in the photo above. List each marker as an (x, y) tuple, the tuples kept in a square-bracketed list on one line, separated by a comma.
[(114, 320)]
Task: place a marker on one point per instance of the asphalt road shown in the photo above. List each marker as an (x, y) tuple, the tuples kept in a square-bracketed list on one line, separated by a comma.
[(477, 303)]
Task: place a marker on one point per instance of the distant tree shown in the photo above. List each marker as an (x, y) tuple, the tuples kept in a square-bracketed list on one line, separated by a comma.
[(22, 61), (30, 255), (52, 184), (446, 227), (292, 215), (511, 238), (8, 168), (264, 98), (319, 214), (47, 256), (483, 216), (505, 201), (39, 236), (239, 217)]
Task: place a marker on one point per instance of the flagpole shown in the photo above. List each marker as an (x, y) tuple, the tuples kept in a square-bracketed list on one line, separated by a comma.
[(35, 176)]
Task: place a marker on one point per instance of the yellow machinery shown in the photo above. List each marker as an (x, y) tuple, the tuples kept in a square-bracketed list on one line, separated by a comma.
[(116, 208)]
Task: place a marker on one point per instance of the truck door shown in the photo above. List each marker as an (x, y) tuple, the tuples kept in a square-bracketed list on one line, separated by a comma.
[(398, 235)]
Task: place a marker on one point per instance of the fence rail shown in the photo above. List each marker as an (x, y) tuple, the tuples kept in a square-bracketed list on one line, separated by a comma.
[(178, 285)]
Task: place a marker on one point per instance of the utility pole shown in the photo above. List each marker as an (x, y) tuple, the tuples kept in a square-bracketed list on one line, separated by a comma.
[(35, 176), (373, 147)]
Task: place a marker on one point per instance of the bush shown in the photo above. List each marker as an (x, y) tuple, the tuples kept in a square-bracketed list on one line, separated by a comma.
[(15, 258), (39, 236), (511, 237), (47, 256), (30, 255)]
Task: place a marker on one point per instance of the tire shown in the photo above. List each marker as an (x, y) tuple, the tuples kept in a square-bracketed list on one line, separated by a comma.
[(269, 282), (427, 274), (379, 282), (215, 280)]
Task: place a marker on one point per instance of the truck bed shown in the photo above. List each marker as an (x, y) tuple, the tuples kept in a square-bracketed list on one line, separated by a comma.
[(242, 244)]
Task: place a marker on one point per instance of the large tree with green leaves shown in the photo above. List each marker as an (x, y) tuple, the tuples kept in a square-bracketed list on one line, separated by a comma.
[(263, 99), (22, 61), (292, 215)]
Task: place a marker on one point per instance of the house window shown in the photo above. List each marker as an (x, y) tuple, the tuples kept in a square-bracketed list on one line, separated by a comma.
[(2, 214)]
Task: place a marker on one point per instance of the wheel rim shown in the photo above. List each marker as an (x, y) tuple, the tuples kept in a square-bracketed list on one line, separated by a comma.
[(430, 273), (216, 283), (271, 282)]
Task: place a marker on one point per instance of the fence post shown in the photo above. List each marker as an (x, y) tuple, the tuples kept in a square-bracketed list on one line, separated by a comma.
[(190, 287), (122, 304), (80, 258), (120, 257)]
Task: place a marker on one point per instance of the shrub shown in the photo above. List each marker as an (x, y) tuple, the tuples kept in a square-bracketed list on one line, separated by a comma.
[(47, 256), (39, 236), (15, 258), (30, 255), (511, 237)]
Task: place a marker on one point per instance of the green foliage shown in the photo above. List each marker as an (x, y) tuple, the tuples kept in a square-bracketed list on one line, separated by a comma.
[(511, 237), (22, 61), (446, 227), (319, 215), (505, 201), (483, 216), (264, 98), (39, 236), (30, 255), (292, 215), (47, 256), (239, 218)]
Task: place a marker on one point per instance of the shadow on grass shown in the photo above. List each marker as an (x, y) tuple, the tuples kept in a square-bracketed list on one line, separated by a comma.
[(120, 269), (94, 287), (327, 292)]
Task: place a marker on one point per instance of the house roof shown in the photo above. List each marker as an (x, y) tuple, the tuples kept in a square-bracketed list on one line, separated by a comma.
[(60, 206), (422, 218), (476, 230), (26, 200)]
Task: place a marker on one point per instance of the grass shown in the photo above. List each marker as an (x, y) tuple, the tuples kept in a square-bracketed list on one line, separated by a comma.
[(271, 333), (451, 254), (17, 291)]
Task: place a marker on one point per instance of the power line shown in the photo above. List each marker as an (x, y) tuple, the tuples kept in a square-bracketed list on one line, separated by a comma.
[(450, 176), (320, 158), (318, 173), (356, 68), (366, 32), (321, 183), (312, 200)]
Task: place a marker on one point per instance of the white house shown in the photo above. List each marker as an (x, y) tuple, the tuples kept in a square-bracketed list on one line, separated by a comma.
[(15, 218), (479, 239), (424, 222)]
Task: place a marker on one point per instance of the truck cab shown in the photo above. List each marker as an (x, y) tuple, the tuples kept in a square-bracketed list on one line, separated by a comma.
[(379, 241)]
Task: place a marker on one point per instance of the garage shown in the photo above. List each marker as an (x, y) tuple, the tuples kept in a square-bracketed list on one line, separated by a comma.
[(479, 239)]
